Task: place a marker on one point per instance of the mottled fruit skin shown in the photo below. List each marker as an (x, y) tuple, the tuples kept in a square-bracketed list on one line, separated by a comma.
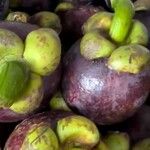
[(16, 139), (103, 95), (138, 126), (21, 29)]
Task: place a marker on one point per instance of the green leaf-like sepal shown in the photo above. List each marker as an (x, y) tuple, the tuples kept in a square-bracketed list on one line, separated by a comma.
[(14, 76)]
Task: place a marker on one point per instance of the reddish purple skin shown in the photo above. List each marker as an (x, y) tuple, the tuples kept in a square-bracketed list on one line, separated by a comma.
[(21, 29), (51, 84), (17, 137), (138, 127), (101, 94)]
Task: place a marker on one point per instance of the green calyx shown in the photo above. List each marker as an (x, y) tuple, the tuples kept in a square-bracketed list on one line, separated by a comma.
[(130, 58), (77, 132), (138, 34), (142, 145), (14, 76), (94, 46), (42, 51), (47, 19), (64, 6), (101, 21), (40, 137), (141, 5), (18, 16), (31, 98), (58, 103), (10, 44), (117, 141), (122, 19)]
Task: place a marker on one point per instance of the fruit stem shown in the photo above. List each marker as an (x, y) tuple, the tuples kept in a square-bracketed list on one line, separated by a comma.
[(122, 20)]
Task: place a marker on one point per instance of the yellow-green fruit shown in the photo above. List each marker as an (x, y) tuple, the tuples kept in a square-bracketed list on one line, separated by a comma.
[(117, 141), (58, 103), (130, 58), (63, 6), (142, 145), (42, 51), (93, 46), (18, 17), (100, 21), (10, 44), (138, 34), (31, 98), (40, 137), (14, 77), (77, 132), (46, 19)]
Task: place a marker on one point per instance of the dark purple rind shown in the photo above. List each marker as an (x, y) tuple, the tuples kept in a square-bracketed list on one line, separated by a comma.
[(21, 29), (34, 6), (72, 21), (101, 94), (7, 115), (138, 126), (17, 137), (51, 84)]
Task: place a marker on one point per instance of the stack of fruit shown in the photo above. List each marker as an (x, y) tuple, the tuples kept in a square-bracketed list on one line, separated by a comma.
[(74, 75)]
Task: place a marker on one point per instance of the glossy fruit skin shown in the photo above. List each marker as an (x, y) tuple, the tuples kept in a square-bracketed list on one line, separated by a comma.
[(17, 137), (103, 95)]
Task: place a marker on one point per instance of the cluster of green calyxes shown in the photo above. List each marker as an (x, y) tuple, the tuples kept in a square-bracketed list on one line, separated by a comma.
[(118, 37), (23, 65)]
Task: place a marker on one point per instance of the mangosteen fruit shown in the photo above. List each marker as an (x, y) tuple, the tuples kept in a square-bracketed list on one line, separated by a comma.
[(108, 81)]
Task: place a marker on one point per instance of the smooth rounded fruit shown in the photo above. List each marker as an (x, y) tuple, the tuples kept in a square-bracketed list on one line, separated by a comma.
[(102, 94), (42, 51)]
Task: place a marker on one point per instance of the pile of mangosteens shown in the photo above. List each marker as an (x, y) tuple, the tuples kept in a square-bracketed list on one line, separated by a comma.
[(74, 75)]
